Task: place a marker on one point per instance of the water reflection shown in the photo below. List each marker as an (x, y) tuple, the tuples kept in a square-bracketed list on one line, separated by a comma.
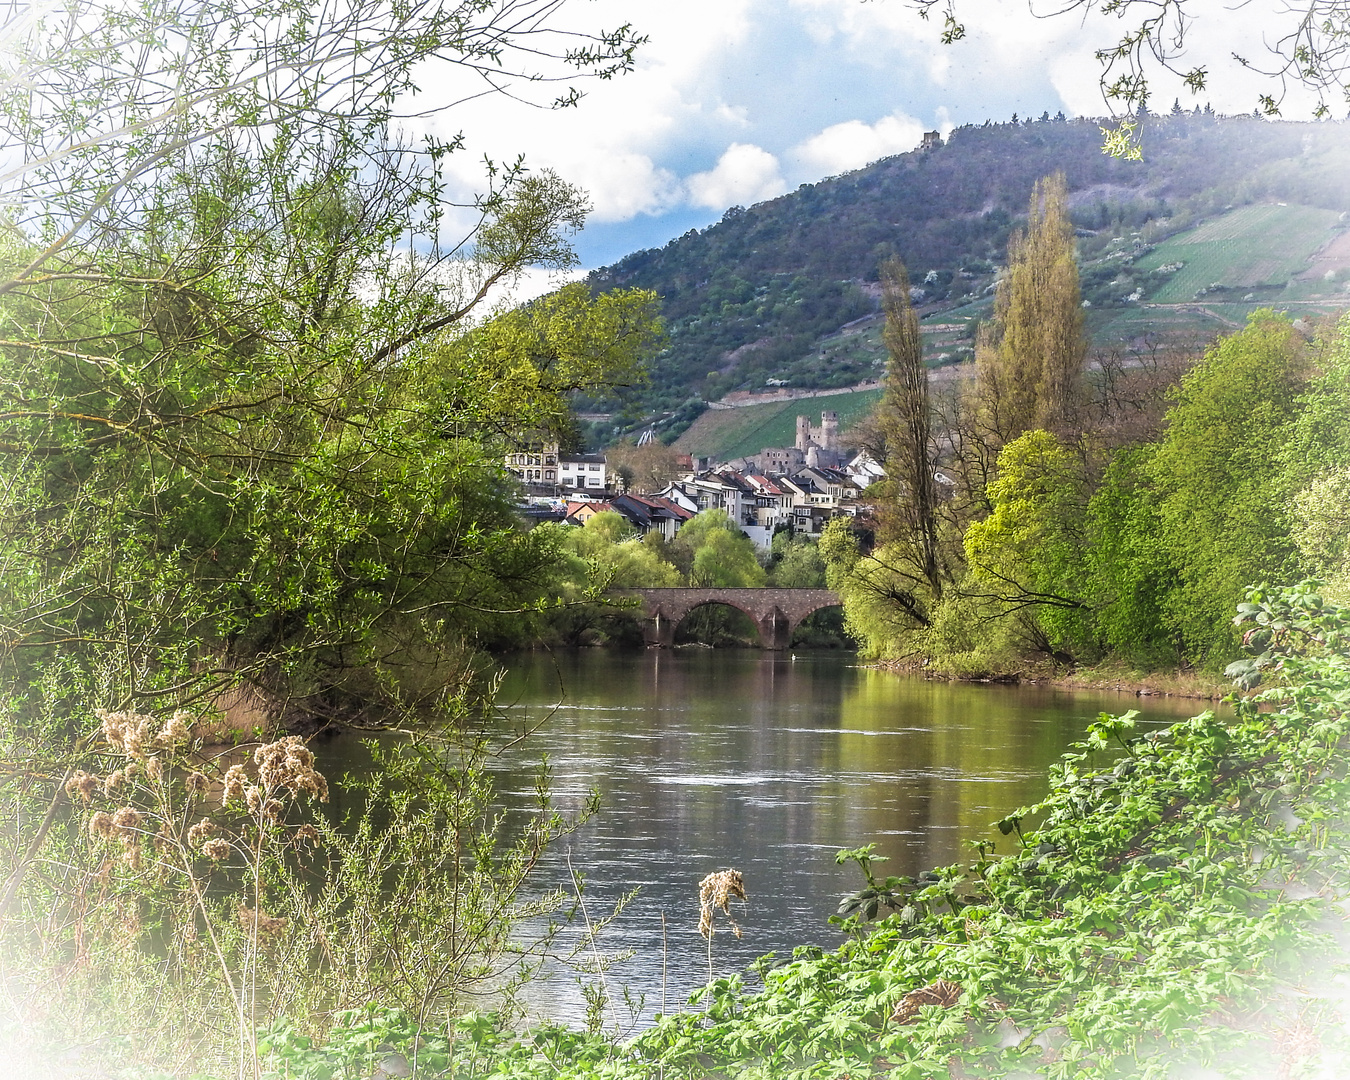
[(769, 764)]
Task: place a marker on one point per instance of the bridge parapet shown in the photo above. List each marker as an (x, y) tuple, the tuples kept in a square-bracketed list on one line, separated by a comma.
[(776, 612)]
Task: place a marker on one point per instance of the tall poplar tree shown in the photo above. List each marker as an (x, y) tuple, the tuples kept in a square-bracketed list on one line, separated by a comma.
[(1029, 364), (905, 420)]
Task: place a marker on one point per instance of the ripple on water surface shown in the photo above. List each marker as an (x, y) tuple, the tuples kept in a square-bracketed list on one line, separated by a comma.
[(712, 759)]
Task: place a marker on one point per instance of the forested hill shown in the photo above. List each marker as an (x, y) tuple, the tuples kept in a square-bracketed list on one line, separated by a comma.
[(757, 296)]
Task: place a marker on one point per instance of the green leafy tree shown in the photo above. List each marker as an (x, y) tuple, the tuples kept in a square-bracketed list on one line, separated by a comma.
[(877, 589), (617, 556), (1130, 575), (909, 519), (717, 554), (1316, 467), (1222, 507), (1029, 363), (603, 554), (797, 563), (1027, 556)]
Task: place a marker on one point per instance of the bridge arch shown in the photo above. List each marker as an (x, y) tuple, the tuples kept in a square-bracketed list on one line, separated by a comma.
[(776, 612)]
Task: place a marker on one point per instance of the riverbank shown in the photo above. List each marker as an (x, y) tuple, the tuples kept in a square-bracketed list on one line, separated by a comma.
[(1179, 683)]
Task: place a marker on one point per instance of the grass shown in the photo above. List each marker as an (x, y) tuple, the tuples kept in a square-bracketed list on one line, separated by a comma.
[(729, 433), (1255, 246)]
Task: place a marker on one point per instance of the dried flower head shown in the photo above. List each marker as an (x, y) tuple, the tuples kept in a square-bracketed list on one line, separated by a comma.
[(113, 781), (259, 922), (717, 890), (235, 779), (289, 763), (942, 992), (309, 833), (176, 729), (126, 732), (127, 819), (254, 798), (101, 826), (82, 784), (154, 768), (196, 783), (201, 832), (217, 848)]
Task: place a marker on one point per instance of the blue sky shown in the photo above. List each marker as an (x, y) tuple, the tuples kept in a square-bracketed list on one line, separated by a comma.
[(736, 101)]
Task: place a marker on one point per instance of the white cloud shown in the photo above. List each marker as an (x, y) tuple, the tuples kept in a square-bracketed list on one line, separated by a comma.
[(744, 174), (623, 184), (531, 282), (853, 144), (614, 144)]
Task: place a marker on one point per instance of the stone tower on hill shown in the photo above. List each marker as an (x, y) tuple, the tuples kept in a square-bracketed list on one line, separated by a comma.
[(826, 437)]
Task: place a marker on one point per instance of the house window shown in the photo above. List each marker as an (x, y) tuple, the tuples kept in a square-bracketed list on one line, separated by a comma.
[(548, 475), (595, 468), (593, 481)]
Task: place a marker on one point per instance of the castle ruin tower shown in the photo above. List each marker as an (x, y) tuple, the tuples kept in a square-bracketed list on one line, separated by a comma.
[(803, 433), (829, 430)]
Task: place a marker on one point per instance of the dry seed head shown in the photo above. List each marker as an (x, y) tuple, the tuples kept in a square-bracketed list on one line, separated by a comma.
[(127, 819), (216, 848), (310, 833), (289, 763), (113, 781), (717, 890), (260, 922), (176, 729), (235, 779), (201, 832), (82, 784), (196, 783), (101, 826), (942, 993), (154, 768), (126, 732)]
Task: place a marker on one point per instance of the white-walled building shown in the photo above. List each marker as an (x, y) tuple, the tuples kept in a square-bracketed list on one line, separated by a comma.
[(582, 472), (536, 464), (542, 465)]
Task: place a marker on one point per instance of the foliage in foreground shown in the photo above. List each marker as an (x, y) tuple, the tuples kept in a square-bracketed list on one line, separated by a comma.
[(1172, 879)]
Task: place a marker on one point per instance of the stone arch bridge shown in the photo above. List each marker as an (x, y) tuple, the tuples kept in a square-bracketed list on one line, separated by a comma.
[(777, 612)]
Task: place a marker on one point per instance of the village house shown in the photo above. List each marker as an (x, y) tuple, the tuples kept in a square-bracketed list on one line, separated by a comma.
[(648, 513), (582, 472), (546, 471)]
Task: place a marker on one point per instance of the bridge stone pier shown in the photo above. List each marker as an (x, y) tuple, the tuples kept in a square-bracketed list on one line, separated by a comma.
[(777, 612)]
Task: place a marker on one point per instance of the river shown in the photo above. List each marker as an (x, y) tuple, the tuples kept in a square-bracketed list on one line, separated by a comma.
[(769, 764)]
